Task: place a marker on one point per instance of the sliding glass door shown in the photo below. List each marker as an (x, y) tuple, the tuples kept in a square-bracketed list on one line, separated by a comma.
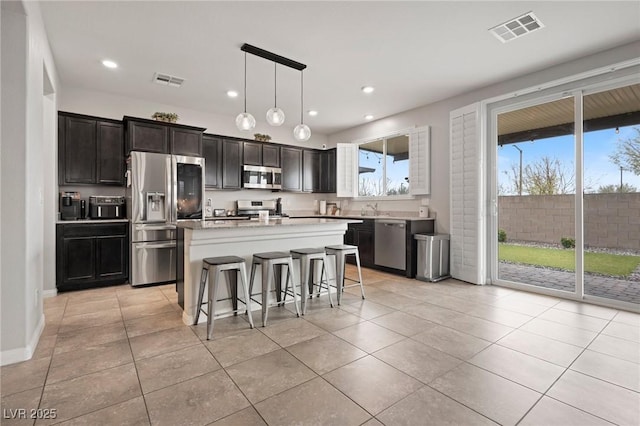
[(568, 196), (536, 195), (612, 197)]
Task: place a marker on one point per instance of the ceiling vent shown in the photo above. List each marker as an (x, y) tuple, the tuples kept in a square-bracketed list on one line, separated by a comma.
[(516, 27), (167, 80)]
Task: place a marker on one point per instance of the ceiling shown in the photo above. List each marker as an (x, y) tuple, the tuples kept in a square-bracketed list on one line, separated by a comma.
[(413, 53)]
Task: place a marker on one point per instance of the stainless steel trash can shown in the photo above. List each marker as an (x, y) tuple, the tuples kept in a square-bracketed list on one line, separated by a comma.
[(433, 257)]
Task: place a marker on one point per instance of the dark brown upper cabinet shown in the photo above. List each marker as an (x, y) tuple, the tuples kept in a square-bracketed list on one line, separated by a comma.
[(110, 153), (148, 137), (291, 168), (231, 164), (270, 155), (261, 154), (90, 150), (212, 153), (328, 171), (310, 170), (253, 153), (185, 141), (166, 138)]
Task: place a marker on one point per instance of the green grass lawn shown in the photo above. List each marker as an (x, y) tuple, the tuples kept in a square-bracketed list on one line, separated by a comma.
[(600, 263)]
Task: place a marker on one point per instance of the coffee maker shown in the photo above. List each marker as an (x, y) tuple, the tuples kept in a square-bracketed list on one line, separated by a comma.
[(70, 206)]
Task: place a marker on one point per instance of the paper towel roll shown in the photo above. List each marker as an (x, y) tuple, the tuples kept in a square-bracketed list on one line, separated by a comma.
[(323, 207)]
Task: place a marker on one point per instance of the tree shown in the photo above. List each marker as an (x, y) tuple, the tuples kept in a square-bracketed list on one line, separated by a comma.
[(548, 176), (627, 153), (608, 189)]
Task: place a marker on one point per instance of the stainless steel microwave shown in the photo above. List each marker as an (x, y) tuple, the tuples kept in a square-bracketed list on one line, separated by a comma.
[(260, 177)]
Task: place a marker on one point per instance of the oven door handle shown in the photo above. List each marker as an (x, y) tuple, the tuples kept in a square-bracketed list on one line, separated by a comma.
[(155, 245)]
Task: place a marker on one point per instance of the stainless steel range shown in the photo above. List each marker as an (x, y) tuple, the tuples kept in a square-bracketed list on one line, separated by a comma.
[(251, 208), (162, 190)]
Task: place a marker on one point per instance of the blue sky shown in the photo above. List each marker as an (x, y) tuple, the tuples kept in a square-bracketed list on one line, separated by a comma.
[(599, 170), (395, 171)]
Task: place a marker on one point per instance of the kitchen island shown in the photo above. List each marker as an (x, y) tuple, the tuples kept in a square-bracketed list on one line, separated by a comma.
[(198, 239)]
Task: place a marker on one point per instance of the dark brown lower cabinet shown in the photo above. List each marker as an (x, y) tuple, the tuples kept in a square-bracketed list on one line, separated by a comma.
[(363, 236), (91, 255)]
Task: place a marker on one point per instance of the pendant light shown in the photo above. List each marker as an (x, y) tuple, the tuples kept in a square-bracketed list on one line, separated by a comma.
[(275, 115), (245, 121), (301, 132)]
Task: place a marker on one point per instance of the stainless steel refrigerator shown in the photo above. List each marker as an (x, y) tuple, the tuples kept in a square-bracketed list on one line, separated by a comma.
[(162, 190)]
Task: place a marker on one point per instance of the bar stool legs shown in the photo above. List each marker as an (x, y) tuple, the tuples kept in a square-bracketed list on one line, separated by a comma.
[(340, 252), (231, 265), (308, 258), (269, 262)]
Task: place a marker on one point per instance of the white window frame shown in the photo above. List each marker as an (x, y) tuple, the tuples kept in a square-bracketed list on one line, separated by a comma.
[(348, 177)]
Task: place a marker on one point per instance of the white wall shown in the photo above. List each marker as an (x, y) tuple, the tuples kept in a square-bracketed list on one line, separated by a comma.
[(436, 115), (25, 54), (108, 105)]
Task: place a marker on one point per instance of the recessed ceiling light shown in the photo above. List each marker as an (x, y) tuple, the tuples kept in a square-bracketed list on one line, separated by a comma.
[(368, 117), (368, 89), (312, 112), (109, 64), (232, 93)]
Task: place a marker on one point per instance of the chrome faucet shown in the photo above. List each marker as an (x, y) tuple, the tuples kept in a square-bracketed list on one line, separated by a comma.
[(374, 208)]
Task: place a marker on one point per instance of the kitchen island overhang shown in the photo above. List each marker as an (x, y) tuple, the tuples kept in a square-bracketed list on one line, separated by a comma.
[(200, 239)]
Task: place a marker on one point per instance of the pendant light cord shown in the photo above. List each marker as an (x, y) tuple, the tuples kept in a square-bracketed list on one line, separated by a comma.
[(275, 85), (301, 96), (245, 82)]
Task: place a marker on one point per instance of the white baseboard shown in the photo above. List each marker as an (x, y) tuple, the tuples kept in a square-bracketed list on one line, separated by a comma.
[(49, 293), (188, 319), (23, 354)]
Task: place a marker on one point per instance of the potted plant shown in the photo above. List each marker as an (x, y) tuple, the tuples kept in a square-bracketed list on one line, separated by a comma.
[(169, 117), (262, 138)]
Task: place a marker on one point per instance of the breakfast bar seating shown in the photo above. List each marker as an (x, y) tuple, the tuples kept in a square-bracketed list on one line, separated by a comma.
[(199, 240), (272, 264), (308, 258), (227, 264), (340, 251)]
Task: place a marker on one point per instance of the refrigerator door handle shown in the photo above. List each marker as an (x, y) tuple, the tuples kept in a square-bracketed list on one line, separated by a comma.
[(141, 246), (171, 188), (144, 227)]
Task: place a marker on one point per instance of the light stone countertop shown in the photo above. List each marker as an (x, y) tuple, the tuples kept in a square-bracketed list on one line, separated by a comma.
[(254, 223)]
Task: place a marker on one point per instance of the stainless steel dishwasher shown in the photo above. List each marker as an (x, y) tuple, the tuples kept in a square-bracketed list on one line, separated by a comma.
[(391, 243)]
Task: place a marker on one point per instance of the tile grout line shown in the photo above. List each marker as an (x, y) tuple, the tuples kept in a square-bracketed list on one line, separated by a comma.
[(135, 366), (567, 368)]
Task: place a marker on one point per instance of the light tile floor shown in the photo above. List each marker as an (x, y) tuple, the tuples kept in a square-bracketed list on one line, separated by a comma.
[(412, 353)]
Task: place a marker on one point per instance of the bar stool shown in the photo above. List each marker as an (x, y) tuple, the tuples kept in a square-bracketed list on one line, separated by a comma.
[(272, 263), (340, 252), (308, 258), (231, 265)]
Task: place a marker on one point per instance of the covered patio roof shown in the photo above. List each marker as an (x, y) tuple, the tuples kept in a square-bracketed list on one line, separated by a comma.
[(604, 110)]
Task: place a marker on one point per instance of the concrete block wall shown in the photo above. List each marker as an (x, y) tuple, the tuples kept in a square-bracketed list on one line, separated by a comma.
[(610, 220)]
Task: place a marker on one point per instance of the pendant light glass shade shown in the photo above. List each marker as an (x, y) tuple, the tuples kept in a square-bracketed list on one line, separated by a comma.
[(244, 120), (301, 132), (275, 115)]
